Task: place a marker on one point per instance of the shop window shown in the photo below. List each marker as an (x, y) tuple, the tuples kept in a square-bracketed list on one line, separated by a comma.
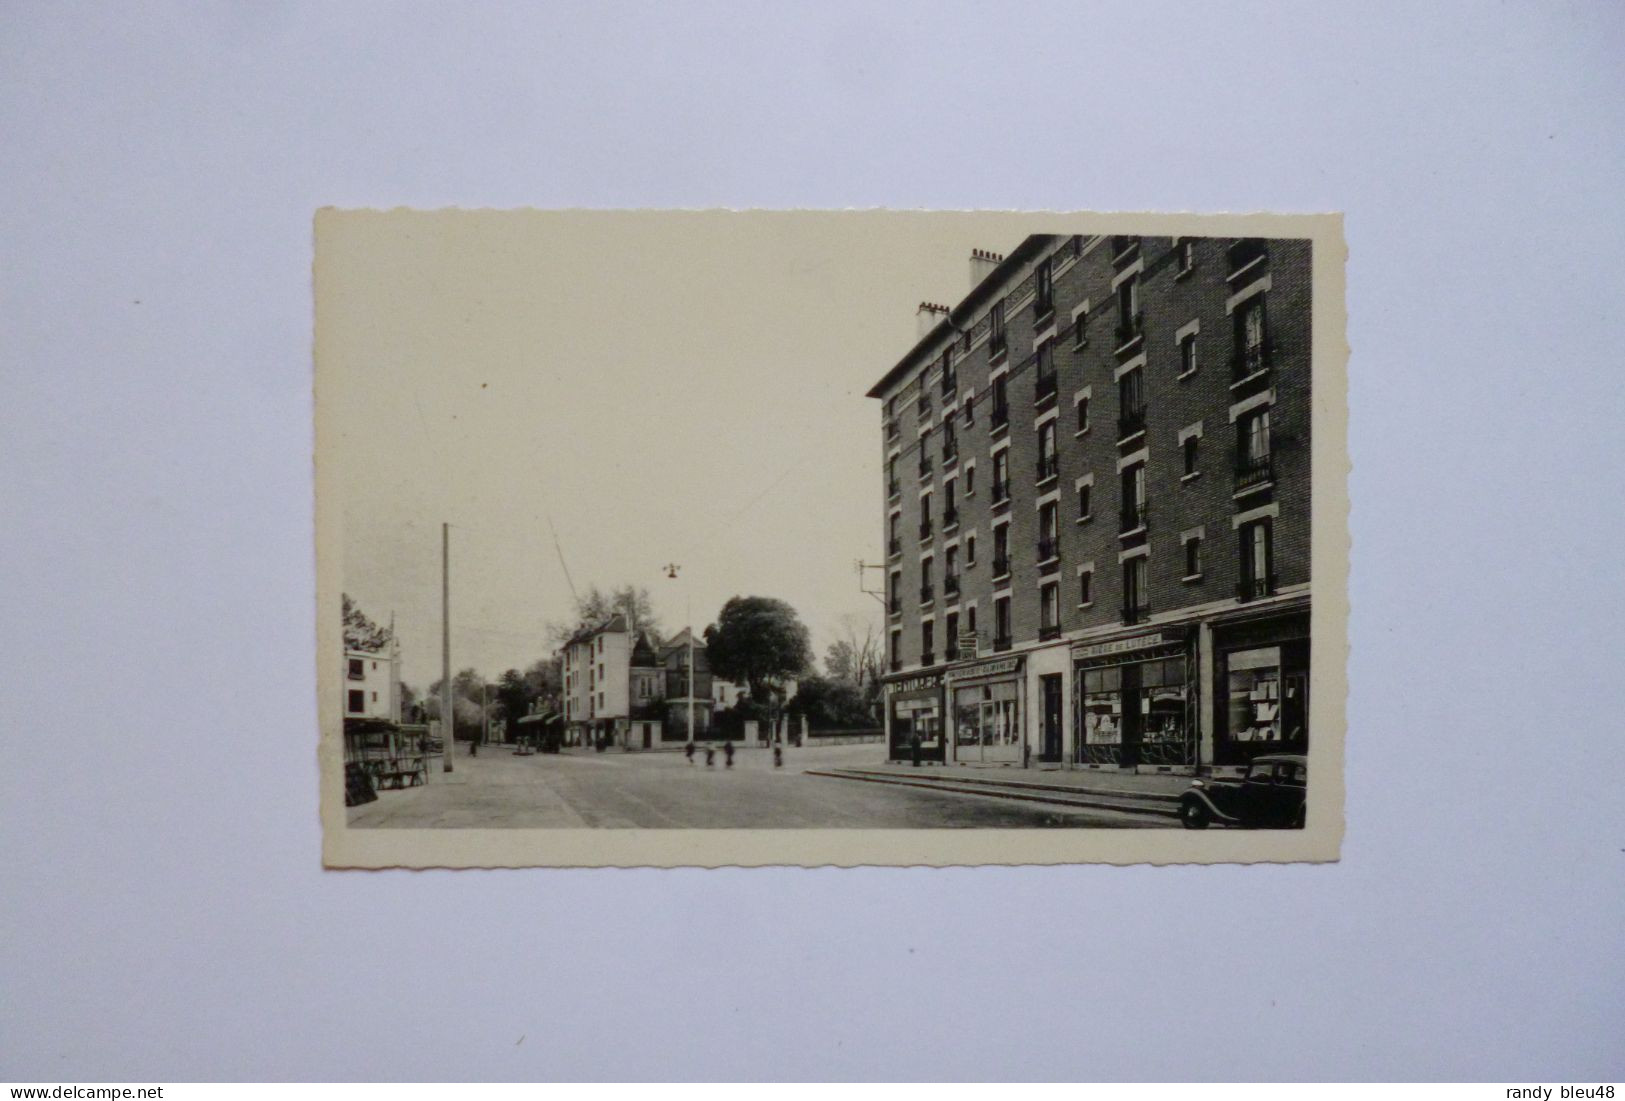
[(1265, 708), (987, 722), (1135, 713)]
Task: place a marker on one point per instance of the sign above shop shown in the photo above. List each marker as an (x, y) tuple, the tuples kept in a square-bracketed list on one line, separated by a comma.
[(914, 684), (1120, 645), (968, 642), (989, 669)]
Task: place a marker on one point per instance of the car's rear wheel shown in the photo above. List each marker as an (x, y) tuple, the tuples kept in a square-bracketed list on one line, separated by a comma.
[(1299, 818), (1193, 815)]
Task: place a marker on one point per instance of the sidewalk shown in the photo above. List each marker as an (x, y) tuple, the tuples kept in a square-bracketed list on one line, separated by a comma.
[(1142, 786)]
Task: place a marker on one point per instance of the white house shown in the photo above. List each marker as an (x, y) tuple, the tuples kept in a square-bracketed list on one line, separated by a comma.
[(372, 684)]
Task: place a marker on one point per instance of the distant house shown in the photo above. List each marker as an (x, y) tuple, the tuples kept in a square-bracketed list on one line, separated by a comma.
[(372, 684)]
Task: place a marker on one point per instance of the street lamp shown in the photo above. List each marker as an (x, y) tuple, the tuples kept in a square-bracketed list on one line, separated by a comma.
[(688, 614)]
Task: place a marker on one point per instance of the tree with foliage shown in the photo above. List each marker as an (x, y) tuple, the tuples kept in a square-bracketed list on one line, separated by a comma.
[(831, 704), (597, 605), (361, 633), (513, 697), (758, 641)]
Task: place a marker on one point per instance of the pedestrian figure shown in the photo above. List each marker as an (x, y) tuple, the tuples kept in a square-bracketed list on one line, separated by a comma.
[(474, 747), (778, 757), (688, 751), (914, 748), (728, 752), (710, 756)]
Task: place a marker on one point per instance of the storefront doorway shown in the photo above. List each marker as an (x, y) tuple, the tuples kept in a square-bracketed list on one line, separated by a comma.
[(1134, 708), (1262, 690), (915, 713), (1049, 692), (986, 713)]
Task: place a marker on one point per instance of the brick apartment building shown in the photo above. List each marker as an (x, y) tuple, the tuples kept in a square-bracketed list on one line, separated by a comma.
[(1097, 508)]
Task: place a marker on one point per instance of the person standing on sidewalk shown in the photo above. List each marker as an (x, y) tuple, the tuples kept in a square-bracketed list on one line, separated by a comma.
[(688, 751), (914, 747), (728, 752)]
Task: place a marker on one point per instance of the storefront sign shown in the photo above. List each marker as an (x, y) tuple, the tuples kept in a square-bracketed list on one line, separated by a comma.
[(968, 642), (1002, 667), (1119, 646), (915, 684)]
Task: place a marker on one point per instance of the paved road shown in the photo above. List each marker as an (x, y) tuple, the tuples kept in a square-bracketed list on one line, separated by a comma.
[(662, 790)]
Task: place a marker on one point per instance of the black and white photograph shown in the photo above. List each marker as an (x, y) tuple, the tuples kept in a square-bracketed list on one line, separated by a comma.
[(723, 527)]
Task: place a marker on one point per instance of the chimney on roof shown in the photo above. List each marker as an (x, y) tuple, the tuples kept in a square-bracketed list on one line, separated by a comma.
[(927, 317), (982, 262)]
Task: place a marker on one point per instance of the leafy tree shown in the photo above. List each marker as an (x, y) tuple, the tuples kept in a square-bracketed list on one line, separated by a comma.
[(361, 633), (831, 704), (597, 605), (513, 696), (759, 641)]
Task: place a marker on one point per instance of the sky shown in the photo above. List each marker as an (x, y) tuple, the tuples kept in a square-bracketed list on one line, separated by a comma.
[(648, 388)]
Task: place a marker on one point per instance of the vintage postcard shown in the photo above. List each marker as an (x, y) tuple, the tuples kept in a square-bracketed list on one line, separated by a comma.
[(660, 538)]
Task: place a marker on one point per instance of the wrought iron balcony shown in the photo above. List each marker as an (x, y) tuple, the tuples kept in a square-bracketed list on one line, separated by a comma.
[(927, 594), (896, 665), (1254, 470), (1001, 565), (1045, 388), (1130, 327), (1001, 415), (895, 605), (1253, 588), (950, 585), (923, 408), (998, 343), (893, 488), (1250, 360), (1048, 548), (950, 452), (928, 658), (894, 546), (950, 383), (925, 528), (1049, 631), (1123, 247), (950, 517), (1001, 643), (1048, 467), (1001, 492), (892, 429), (1135, 613), (1133, 517), (1130, 421), (950, 653)]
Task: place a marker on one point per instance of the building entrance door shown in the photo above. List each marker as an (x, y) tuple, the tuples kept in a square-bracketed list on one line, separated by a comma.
[(1049, 689), (1133, 721)]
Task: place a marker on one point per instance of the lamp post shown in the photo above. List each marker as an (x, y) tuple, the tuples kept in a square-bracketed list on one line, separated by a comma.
[(688, 614)]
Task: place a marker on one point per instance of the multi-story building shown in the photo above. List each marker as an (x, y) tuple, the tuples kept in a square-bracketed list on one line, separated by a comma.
[(372, 684), (611, 676), (1097, 513)]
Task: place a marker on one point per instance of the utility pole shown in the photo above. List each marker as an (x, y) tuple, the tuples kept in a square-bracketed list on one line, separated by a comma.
[(688, 614), (448, 719), (485, 715)]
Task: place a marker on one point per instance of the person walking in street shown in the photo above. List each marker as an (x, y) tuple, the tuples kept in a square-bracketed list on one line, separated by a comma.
[(728, 752), (688, 751), (710, 756)]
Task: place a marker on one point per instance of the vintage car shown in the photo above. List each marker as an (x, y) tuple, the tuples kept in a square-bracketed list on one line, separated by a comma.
[(1271, 795)]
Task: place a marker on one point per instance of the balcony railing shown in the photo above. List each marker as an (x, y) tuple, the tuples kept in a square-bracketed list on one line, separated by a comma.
[(998, 342), (1250, 360), (1048, 548), (950, 653), (1001, 492), (927, 594), (1135, 613), (1045, 388), (1123, 247), (894, 546), (1133, 517), (1253, 588), (925, 529), (896, 665), (923, 408), (925, 466), (928, 658), (1131, 327), (950, 452), (1130, 421), (1001, 643), (950, 585), (950, 517), (950, 383), (1001, 415), (1049, 631), (893, 488), (1048, 467), (895, 605), (1001, 565), (1253, 470), (892, 429), (1245, 251)]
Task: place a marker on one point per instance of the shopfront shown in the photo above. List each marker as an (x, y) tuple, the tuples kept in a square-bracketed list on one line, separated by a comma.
[(986, 711), (1261, 688), (1135, 702), (914, 707)]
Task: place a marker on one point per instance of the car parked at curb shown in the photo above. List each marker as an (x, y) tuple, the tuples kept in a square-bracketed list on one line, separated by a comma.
[(1269, 796)]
